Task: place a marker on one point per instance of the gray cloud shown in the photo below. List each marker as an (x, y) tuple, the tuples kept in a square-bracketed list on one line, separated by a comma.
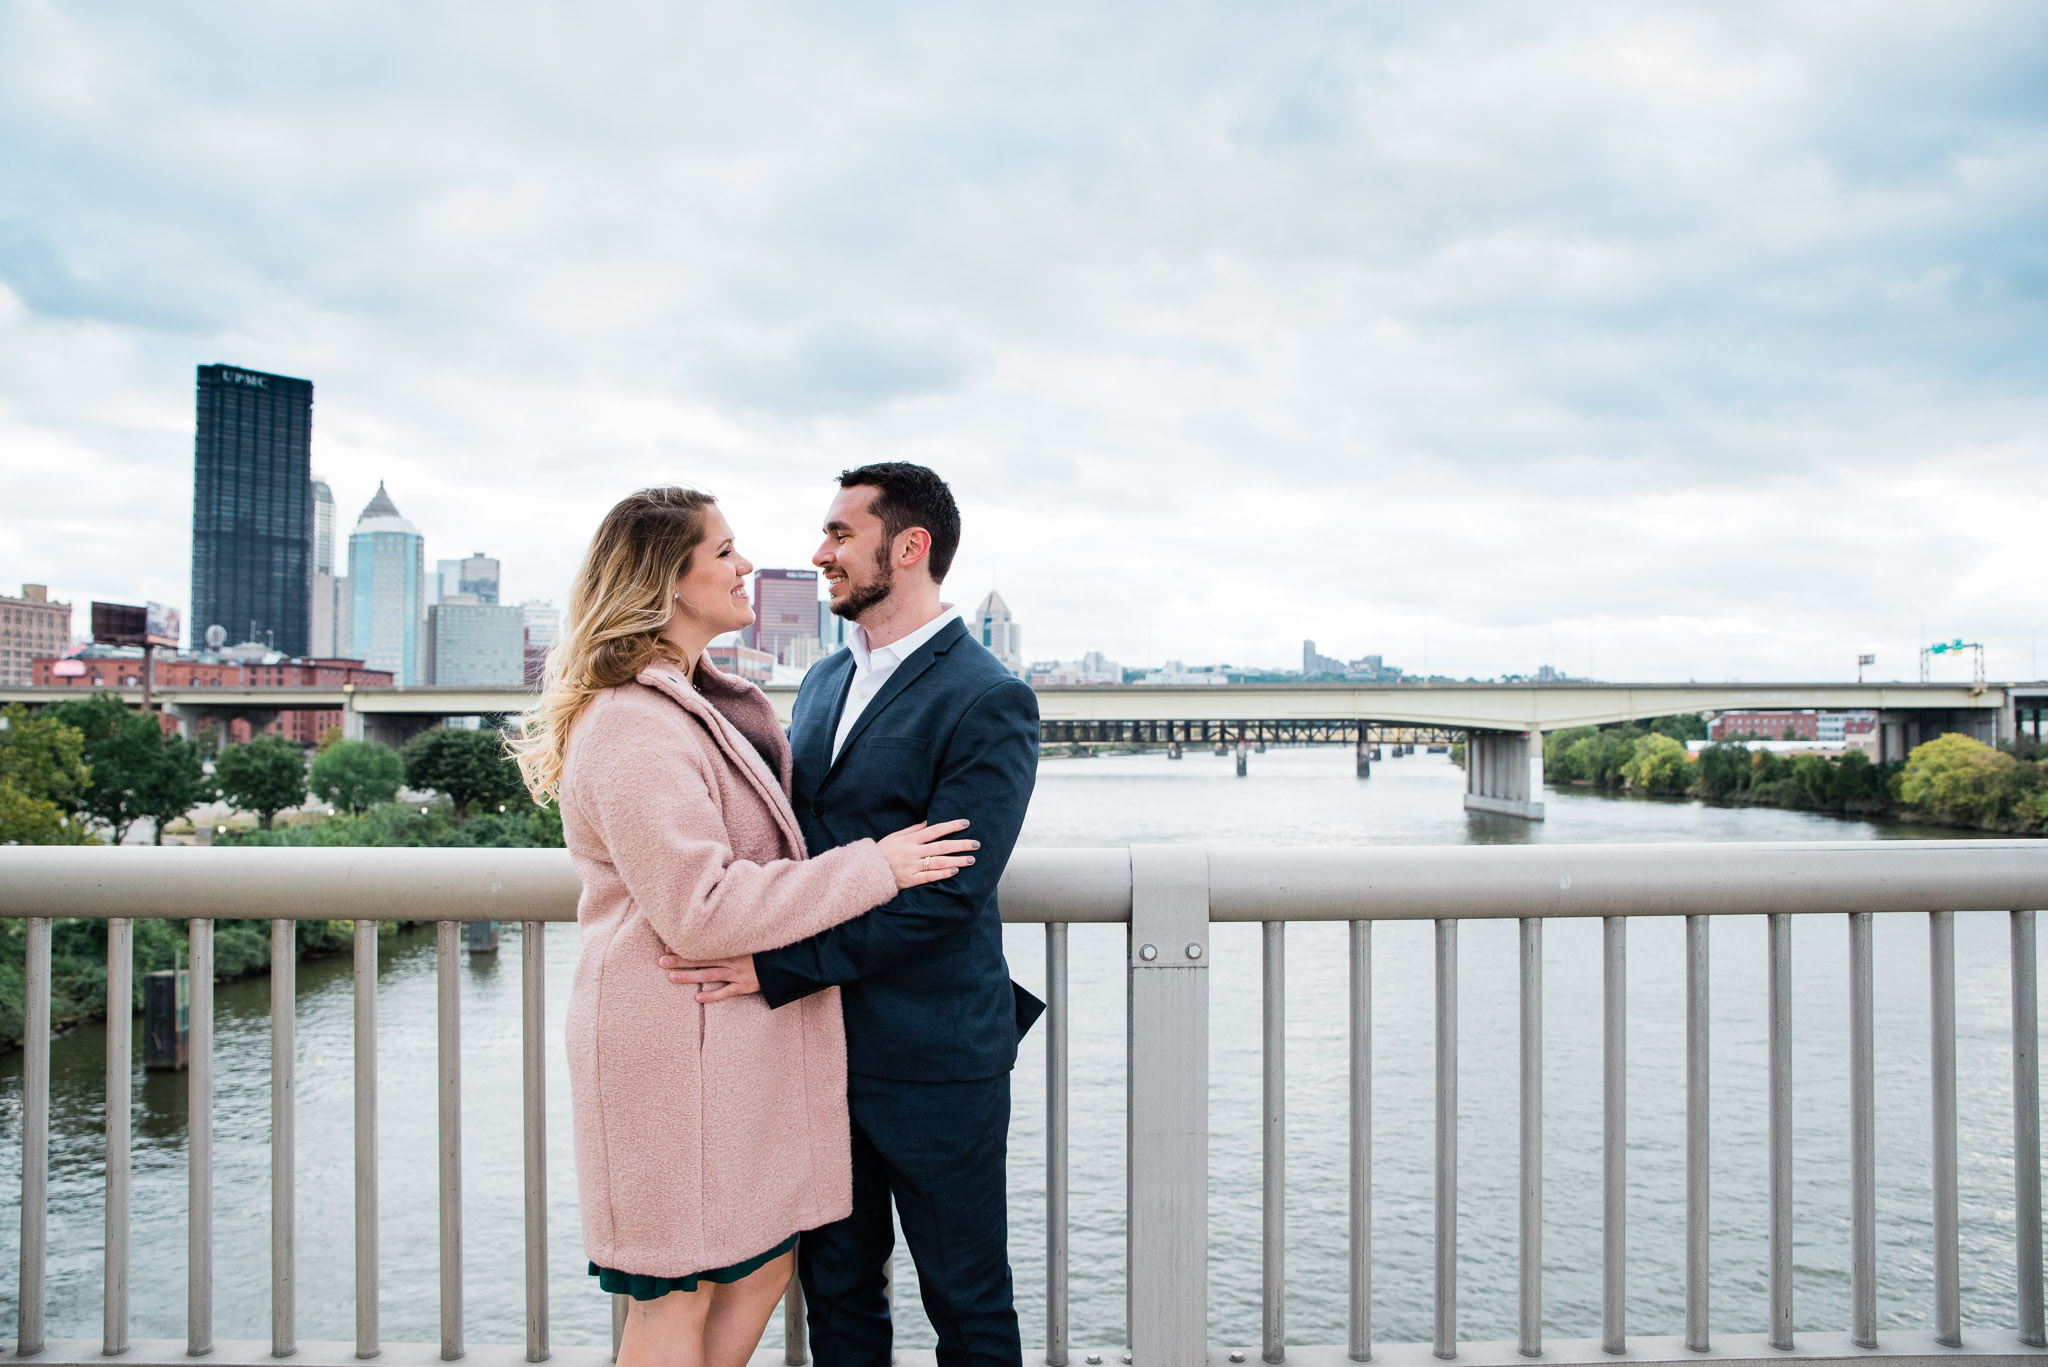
[(1698, 340)]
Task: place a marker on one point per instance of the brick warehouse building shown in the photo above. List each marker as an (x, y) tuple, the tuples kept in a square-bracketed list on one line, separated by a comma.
[(123, 669)]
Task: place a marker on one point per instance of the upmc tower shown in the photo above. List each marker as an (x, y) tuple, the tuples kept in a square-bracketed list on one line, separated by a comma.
[(252, 508)]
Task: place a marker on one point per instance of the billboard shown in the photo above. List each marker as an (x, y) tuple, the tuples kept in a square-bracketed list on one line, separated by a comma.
[(119, 624), (162, 626)]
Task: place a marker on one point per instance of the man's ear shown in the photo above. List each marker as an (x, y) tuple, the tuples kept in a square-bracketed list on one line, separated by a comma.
[(913, 547)]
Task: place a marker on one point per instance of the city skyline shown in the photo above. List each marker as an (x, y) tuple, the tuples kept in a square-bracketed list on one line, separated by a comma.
[(1647, 344)]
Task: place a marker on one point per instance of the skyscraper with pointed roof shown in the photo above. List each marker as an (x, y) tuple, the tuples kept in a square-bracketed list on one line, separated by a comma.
[(995, 628), (387, 582)]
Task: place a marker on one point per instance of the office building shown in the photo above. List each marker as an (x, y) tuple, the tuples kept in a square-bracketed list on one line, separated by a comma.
[(475, 645), (785, 611), (1092, 668), (995, 628), (323, 526), (387, 578), (320, 613), (741, 661), (831, 627), (474, 575), (31, 627), (252, 508), (543, 628)]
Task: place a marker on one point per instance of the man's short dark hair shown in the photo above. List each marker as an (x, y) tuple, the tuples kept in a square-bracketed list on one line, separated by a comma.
[(912, 496)]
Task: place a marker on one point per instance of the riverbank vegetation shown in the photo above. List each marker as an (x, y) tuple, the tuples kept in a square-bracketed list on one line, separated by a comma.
[(85, 770), (1950, 781)]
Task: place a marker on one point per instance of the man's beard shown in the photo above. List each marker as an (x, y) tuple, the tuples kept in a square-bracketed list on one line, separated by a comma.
[(860, 597)]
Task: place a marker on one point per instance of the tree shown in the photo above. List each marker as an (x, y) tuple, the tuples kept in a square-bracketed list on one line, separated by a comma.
[(356, 775), (469, 768), (176, 785), (1724, 770), (122, 748), (265, 776), (42, 774), (1954, 778), (327, 740), (1659, 766)]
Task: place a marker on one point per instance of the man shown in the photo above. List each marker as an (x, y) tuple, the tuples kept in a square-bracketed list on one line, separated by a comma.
[(915, 721)]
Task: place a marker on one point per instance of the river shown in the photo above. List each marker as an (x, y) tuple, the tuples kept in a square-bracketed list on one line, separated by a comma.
[(1291, 797)]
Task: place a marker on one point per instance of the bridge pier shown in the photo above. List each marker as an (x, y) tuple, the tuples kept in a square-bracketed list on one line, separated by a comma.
[(1173, 749), (1364, 757), (1504, 773), (1242, 770)]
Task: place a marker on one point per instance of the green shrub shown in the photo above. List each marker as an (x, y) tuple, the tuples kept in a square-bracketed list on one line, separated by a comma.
[(1659, 766)]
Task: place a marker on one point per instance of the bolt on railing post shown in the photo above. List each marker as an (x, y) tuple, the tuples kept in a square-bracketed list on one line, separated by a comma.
[(1167, 1192), (1862, 1135), (120, 1058), (367, 1345), (1531, 1211), (1941, 967), (533, 1032), (284, 970), (1361, 1141), (1696, 1132), (1446, 1333), (1614, 1135), (1273, 1129), (1056, 1135), (448, 1002), (2026, 1128), (1780, 976), (199, 1146), (35, 1136)]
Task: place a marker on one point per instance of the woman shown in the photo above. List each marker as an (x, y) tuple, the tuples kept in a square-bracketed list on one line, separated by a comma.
[(707, 1135)]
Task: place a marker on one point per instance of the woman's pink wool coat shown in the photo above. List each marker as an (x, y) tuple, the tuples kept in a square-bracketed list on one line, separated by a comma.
[(704, 1134)]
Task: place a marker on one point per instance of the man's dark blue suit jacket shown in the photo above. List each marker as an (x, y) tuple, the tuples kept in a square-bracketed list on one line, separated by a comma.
[(924, 986)]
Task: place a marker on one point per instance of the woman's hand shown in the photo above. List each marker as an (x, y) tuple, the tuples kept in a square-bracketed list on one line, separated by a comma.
[(921, 854)]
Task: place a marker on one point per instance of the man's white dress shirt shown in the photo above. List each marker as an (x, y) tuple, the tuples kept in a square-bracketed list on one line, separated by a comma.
[(872, 668)]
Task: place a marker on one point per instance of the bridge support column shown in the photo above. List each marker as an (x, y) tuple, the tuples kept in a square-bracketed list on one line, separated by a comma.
[(1242, 769), (1364, 756), (1173, 749), (1504, 773)]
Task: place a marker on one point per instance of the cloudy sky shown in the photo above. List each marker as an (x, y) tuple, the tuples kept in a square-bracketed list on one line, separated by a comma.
[(1668, 341)]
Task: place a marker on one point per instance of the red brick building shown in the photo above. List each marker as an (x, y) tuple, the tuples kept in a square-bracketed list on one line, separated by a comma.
[(124, 670)]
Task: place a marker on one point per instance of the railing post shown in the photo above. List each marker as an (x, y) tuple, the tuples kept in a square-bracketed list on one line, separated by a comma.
[(367, 1345), (1941, 965), (120, 1047), (448, 1003), (533, 970), (1056, 1131), (1862, 1135), (1780, 1032), (1697, 1021), (35, 1135), (1273, 1203), (1361, 1141), (1167, 1225), (1531, 1252), (1446, 1337), (1614, 1135), (284, 969), (2026, 1128), (199, 1147)]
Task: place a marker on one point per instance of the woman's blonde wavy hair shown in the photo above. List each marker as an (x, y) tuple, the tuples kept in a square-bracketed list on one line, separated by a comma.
[(617, 609)]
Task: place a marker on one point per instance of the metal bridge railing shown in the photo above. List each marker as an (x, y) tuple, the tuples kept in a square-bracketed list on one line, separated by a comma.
[(1169, 896)]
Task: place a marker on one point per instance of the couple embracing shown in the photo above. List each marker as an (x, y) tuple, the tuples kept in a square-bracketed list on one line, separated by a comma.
[(792, 1009)]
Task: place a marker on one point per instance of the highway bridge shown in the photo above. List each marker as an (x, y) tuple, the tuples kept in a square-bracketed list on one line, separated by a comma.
[(1502, 722)]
